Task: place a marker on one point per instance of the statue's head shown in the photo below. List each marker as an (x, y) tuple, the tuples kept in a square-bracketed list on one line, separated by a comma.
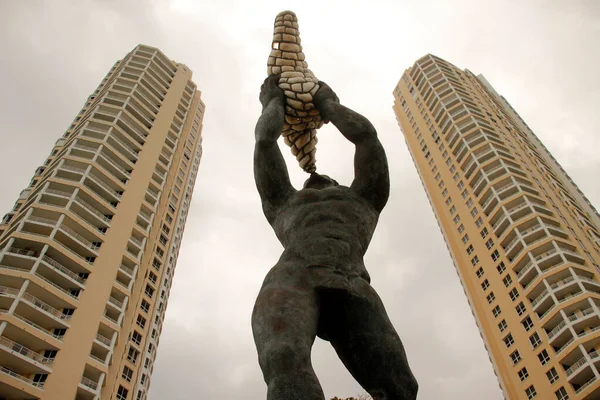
[(318, 181)]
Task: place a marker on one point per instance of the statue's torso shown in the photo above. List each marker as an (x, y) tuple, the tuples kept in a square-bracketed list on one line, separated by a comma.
[(329, 228)]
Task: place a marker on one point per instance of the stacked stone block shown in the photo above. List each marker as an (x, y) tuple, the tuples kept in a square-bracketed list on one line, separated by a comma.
[(299, 84)]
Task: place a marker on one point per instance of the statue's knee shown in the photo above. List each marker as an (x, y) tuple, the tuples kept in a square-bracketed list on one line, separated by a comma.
[(282, 358)]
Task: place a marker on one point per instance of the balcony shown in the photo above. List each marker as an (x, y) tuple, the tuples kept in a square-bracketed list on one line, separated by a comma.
[(89, 384), (106, 342), (16, 348), (9, 372), (46, 308)]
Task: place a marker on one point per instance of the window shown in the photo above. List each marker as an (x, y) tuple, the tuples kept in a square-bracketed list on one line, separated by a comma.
[(145, 306), (544, 357), (484, 232), (475, 260), (520, 308), (132, 355), (491, 297), (156, 263), (469, 203), (51, 354), (455, 177), (527, 324), (461, 228), (479, 272), (514, 294), (515, 357), (438, 177), (552, 375), (452, 210), (59, 332), (507, 280), (474, 212), (448, 161), (141, 321), (496, 311), (127, 374), (434, 170), (501, 267), (160, 251), (456, 219), (441, 185), (149, 290), (530, 392), (152, 276), (502, 326), (479, 222), (136, 337), (535, 340), (445, 193), (523, 374), (508, 340), (485, 284), (495, 255), (445, 154), (465, 239), (561, 394), (470, 249), (448, 201), (143, 379), (122, 393), (452, 169), (163, 239), (489, 244)]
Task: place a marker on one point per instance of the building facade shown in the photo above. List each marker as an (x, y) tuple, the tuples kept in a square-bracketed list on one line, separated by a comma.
[(88, 253), (523, 238)]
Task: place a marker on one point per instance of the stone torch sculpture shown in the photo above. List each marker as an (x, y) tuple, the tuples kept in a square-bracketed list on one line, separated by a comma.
[(320, 286), (299, 85)]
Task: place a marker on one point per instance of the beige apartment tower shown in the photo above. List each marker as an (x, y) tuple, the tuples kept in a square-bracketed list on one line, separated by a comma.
[(524, 240), (87, 255)]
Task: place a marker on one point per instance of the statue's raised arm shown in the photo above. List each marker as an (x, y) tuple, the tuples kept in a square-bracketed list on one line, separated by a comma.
[(270, 171), (371, 172)]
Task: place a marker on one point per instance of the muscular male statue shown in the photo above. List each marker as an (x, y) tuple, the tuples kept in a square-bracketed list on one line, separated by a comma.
[(320, 286)]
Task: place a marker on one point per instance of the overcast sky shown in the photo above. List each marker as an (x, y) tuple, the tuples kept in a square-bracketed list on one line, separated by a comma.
[(543, 56)]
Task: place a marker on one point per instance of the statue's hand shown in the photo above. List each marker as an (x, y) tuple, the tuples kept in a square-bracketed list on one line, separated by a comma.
[(270, 90), (323, 98)]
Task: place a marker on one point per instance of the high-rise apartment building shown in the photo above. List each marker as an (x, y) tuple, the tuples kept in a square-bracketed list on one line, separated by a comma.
[(87, 255), (524, 240)]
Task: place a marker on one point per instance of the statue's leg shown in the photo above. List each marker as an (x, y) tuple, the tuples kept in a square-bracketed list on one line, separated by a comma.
[(364, 338), (284, 324)]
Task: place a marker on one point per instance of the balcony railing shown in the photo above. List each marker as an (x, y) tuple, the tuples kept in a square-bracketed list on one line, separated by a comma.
[(115, 302), (564, 346), (6, 291), (89, 383), (28, 381), (557, 329), (539, 298), (586, 385), (100, 182), (72, 169), (64, 270), (29, 253), (127, 269), (103, 340), (545, 254), (578, 364), (529, 230), (136, 241), (111, 319), (58, 193), (24, 351), (38, 327), (91, 209), (77, 236), (44, 306), (65, 291), (93, 357)]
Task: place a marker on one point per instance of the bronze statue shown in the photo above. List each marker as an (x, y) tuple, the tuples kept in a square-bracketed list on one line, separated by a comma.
[(320, 286)]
